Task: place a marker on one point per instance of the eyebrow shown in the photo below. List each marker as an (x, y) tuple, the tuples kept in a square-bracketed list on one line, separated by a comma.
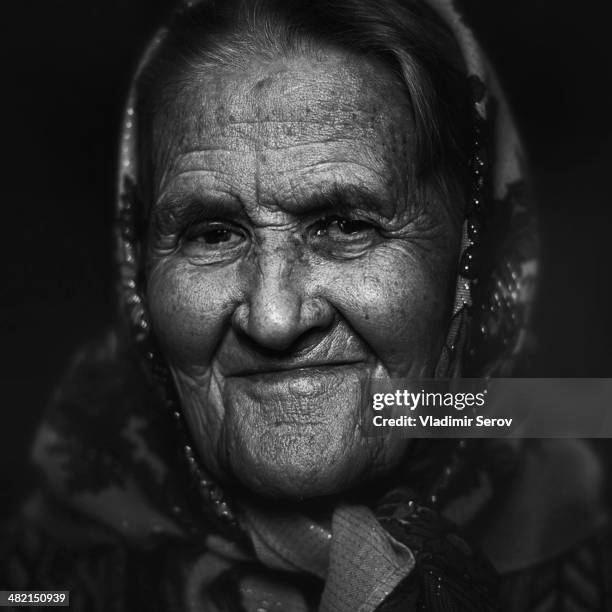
[(344, 198), (177, 211)]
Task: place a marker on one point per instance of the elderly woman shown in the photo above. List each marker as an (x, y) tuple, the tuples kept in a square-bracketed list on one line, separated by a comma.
[(312, 196)]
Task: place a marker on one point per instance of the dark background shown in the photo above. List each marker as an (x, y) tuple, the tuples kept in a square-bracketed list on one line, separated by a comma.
[(69, 65)]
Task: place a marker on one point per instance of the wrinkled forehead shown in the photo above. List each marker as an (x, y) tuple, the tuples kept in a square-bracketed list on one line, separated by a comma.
[(329, 101)]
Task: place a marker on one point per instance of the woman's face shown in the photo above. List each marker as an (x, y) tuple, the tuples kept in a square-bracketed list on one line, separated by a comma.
[(290, 260)]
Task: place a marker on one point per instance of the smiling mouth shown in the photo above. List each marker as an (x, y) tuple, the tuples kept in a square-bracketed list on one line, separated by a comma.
[(304, 381), (297, 370)]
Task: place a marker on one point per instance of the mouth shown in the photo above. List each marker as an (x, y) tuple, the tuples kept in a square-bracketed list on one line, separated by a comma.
[(297, 370), (304, 381)]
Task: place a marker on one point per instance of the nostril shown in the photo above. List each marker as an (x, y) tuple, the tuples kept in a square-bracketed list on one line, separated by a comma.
[(317, 313), (309, 339), (240, 318)]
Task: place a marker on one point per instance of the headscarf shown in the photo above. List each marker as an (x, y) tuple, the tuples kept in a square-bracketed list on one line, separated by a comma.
[(114, 458)]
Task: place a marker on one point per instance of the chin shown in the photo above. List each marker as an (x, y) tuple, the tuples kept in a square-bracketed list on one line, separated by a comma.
[(293, 466)]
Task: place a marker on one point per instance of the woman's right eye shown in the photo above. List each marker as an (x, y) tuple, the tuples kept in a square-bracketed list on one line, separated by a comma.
[(213, 241)]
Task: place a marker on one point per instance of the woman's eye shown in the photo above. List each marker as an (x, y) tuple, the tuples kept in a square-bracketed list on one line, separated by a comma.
[(212, 241), (217, 236), (343, 227), (343, 236)]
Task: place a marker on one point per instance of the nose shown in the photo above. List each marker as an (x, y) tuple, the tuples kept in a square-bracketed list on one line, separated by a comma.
[(278, 312)]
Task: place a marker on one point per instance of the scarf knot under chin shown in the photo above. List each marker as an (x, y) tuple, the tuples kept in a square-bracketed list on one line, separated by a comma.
[(412, 558)]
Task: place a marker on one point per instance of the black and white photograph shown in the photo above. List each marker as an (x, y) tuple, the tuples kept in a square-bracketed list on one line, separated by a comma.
[(307, 306)]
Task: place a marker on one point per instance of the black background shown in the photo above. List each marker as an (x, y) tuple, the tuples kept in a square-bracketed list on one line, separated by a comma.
[(68, 69)]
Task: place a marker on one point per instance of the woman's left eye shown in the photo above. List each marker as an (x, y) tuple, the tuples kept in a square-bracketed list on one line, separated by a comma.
[(342, 236), (343, 227)]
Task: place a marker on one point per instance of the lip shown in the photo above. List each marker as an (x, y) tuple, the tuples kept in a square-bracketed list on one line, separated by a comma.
[(295, 370), (305, 381)]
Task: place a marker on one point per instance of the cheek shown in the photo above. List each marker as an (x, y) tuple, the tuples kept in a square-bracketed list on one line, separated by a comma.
[(190, 309), (399, 304)]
